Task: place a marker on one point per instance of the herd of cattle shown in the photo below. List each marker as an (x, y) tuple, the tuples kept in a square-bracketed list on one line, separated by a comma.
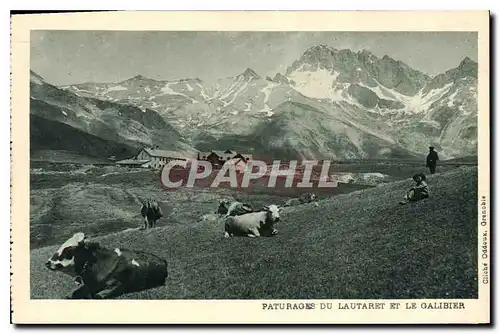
[(103, 273)]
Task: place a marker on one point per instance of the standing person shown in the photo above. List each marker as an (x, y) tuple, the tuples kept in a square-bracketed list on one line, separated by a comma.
[(432, 159)]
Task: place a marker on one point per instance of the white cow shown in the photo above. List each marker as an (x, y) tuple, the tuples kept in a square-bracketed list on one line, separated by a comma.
[(254, 224)]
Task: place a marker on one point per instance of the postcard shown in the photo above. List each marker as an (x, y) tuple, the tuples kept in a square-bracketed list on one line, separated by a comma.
[(250, 167)]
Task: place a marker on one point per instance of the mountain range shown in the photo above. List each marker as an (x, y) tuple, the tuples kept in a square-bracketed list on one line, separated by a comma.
[(329, 103)]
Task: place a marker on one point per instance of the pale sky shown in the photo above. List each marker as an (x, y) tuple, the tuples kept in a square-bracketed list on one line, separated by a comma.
[(67, 57)]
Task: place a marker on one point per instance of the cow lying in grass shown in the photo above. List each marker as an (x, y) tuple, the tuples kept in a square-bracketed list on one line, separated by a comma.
[(104, 273), (304, 198), (254, 224), (151, 212), (233, 208)]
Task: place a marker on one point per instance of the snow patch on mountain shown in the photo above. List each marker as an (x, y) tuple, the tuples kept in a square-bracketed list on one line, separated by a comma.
[(77, 90), (451, 99), (386, 93), (421, 102), (236, 94), (114, 89), (202, 92), (474, 90), (317, 84), (266, 110), (231, 89), (267, 93), (417, 104), (169, 91)]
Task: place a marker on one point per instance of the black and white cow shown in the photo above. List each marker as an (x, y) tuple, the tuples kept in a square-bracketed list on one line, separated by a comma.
[(104, 273), (223, 206), (151, 212)]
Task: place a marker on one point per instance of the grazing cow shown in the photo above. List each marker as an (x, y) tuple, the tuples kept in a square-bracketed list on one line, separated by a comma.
[(105, 273), (151, 212), (254, 224), (304, 198), (234, 208), (309, 197)]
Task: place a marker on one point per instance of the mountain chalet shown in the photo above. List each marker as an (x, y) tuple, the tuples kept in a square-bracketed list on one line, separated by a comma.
[(151, 158)]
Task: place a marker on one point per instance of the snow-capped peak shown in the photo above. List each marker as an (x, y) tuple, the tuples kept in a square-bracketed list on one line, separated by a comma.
[(250, 74)]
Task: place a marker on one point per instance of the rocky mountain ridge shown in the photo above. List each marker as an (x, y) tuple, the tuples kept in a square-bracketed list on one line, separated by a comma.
[(353, 105)]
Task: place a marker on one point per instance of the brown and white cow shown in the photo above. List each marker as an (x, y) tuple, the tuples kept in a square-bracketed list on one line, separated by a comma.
[(233, 208), (254, 224), (151, 212), (104, 273)]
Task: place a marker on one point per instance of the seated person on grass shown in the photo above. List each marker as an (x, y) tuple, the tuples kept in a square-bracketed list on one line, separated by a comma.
[(418, 192)]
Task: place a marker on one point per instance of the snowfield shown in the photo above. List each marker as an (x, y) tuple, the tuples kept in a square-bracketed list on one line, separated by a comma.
[(317, 84)]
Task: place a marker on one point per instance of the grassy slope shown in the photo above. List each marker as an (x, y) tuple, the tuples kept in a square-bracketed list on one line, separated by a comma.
[(46, 134), (360, 245), (43, 157), (472, 159), (98, 200)]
